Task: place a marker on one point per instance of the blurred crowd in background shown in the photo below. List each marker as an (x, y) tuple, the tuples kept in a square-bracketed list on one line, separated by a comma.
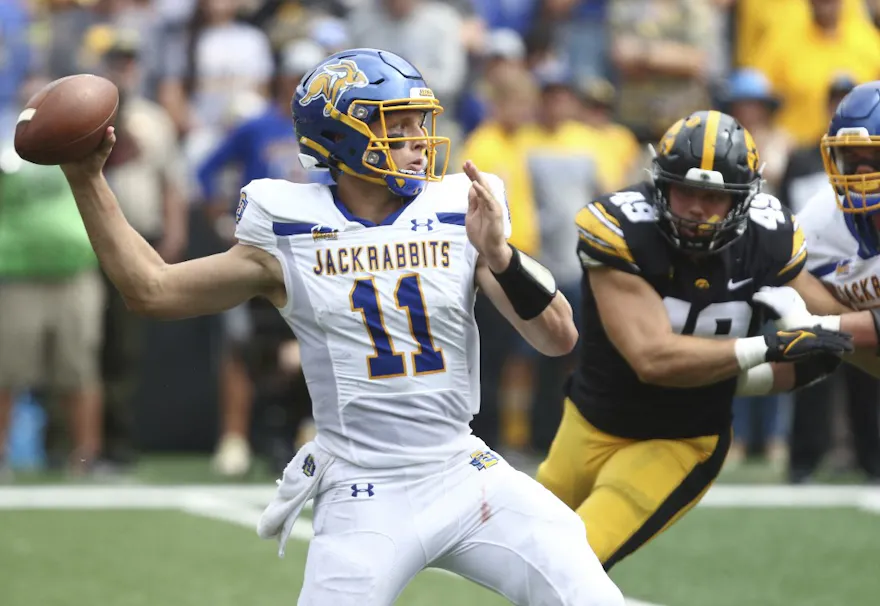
[(558, 97)]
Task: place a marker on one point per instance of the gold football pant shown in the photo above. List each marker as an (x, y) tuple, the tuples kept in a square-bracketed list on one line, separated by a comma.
[(627, 491)]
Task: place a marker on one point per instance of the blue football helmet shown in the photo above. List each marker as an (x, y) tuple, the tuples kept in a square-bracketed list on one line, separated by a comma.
[(853, 140), (335, 104)]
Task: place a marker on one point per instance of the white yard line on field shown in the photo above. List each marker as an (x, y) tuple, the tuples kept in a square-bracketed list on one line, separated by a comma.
[(205, 505), (242, 504), (762, 496), (242, 514), (159, 497), (123, 497), (236, 504)]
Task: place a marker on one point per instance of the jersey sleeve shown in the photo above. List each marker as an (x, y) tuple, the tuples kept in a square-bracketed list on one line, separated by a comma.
[(602, 239), (827, 237), (253, 225), (789, 251)]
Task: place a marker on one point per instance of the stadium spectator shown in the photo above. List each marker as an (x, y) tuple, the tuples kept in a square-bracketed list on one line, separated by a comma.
[(52, 300), (497, 145), (146, 172), (660, 51), (802, 57), (750, 99), (264, 147), (564, 159), (620, 149)]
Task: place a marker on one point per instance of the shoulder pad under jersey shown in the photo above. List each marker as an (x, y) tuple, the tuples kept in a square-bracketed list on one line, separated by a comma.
[(613, 229)]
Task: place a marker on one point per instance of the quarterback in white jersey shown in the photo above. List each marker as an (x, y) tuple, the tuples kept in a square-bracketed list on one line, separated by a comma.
[(382, 314), (840, 224), (376, 267)]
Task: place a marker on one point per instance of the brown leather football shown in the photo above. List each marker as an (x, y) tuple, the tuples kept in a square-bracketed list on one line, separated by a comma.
[(66, 120)]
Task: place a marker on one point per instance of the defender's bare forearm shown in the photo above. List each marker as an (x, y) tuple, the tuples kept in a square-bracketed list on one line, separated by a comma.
[(682, 361)]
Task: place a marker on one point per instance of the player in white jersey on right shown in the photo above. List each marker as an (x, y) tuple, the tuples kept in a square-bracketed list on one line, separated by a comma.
[(376, 269), (841, 225)]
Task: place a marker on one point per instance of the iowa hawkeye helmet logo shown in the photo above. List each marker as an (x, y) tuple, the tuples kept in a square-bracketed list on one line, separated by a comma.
[(333, 80)]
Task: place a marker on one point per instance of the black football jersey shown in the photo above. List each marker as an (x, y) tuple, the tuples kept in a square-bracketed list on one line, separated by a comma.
[(704, 297)]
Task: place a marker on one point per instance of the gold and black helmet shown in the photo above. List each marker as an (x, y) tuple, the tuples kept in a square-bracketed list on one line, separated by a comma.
[(706, 150)]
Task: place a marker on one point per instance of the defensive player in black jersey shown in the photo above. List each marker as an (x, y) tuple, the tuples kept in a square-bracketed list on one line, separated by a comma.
[(670, 333)]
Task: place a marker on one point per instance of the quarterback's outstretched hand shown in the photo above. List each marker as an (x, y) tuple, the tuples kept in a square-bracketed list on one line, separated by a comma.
[(803, 343), (485, 221), (92, 165)]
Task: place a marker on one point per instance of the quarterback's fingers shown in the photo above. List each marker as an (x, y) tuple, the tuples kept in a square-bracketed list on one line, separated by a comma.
[(485, 197), (473, 199), (109, 139), (473, 173)]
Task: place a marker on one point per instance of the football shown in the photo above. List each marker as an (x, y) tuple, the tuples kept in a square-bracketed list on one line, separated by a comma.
[(66, 119)]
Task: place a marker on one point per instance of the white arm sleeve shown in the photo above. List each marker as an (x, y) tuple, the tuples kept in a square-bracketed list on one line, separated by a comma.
[(756, 381)]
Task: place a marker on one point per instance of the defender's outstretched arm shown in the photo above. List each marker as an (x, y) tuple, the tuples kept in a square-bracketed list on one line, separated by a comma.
[(638, 325)]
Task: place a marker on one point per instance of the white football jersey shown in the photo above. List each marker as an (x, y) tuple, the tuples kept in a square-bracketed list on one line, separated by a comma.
[(835, 256), (383, 314)]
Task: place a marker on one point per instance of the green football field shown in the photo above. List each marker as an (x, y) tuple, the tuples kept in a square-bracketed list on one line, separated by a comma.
[(187, 545)]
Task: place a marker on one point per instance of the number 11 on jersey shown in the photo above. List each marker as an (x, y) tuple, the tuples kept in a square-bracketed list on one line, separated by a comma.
[(386, 362)]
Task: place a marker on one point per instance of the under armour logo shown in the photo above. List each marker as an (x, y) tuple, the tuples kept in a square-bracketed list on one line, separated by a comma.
[(426, 224), (357, 489), (309, 466)]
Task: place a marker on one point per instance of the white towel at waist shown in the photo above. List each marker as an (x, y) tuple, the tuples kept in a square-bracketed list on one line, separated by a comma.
[(298, 484)]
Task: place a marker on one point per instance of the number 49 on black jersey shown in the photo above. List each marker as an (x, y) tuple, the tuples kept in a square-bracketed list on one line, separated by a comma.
[(705, 297)]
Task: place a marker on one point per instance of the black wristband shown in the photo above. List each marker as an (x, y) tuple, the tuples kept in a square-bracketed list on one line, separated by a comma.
[(875, 313), (529, 286)]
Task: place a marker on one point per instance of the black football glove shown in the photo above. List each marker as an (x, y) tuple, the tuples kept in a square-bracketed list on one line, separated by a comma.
[(814, 369), (802, 343)]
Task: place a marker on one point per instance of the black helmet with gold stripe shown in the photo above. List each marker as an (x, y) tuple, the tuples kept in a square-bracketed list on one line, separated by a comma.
[(707, 150)]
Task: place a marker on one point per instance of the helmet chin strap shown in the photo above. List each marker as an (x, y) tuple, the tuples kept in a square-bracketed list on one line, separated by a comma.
[(406, 188)]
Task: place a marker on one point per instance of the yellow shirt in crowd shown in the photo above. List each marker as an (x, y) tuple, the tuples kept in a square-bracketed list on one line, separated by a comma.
[(754, 18), (802, 62), (495, 151)]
